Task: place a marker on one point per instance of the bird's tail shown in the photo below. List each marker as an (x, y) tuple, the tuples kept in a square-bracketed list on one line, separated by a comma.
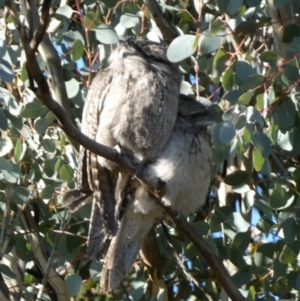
[(125, 246)]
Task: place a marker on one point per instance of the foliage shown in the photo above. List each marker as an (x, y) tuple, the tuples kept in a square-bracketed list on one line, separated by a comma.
[(237, 55)]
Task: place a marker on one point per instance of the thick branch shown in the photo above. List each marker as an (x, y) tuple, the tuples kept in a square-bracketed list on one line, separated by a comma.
[(42, 41), (212, 259), (168, 31), (44, 94)]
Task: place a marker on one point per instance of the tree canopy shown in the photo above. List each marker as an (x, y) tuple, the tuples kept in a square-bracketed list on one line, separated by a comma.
[(240, 58)]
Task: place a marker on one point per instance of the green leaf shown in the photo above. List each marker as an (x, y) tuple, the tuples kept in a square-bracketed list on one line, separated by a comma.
[(71, 36), (258, 160), (77, 50), (129, 20), (33, 110), (66, 173), (23, 249), (228, 79), (110, 3), (41, 125), (233, 6), (215, 26), (287, 255), (5, 146), (291, 70), (290, 31), (223, 4), (289, 228), (49, 145), (106, 35), (264, 207), (246, 26), (220, 61), (233, 96), (226, 131), (95, 270), (90, 20), (241, 240), (20, 150), (254, 81), (241, 278), (3, 121), (20, 195), (284, 113), (280, 3), (237, 222), (24, 73), (3, 47), (293, 47), (47, 192), (253, 3), (243, 70), (262, 143), (201, 227), (253, 116), (269, 56), (5, 165), (73, 283), (73, 88), (10, 102), (236, 178), (209, 43), (186, 88), (64, 13), (245, 98), (285, 140), (277, 197), (264, 255), (6, 71), (5, 270), (15, 121), (181, 48)]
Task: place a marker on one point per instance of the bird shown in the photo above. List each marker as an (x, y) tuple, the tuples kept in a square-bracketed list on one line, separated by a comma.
[(184, 165), (132, 106), (135, 106)]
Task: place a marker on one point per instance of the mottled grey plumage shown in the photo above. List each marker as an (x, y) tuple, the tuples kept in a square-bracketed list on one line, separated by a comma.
[(184, 165), (131, 105)]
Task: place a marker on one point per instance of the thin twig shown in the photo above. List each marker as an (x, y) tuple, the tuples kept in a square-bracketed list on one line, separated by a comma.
[(41, 29), (51, 258)]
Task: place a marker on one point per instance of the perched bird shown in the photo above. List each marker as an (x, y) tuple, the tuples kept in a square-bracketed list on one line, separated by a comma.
[(132, 106), (184, 165)]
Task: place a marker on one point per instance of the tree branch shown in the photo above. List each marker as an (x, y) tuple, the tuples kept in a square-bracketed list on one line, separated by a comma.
[(168, 31), (44, 94)]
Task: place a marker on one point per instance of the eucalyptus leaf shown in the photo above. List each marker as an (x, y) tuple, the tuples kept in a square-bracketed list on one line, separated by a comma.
[(181, 48), (209, 43), (6, 71), (106, 35), (5, 270), (3, 121), (64, 12), (262, 143), (226, 131), (20, 195), (243, 70), (73, 282), (129, 20), (236, 178)]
